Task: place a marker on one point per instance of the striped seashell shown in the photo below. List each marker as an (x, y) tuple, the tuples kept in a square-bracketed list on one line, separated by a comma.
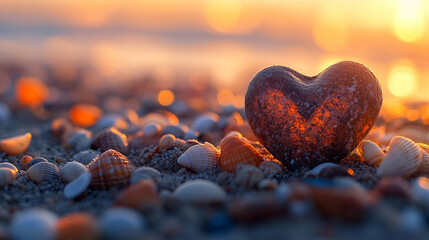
[(42, 171), (15, 145), (33, 162), (152, 130), (167, 141), (248, 176), (7, 176), (423, 168), (234, 151), (372, 154), (270, 168), (78, 226), (8, 165), (71, 171), (144, 173), (201, 157), (110, 169), (78, 186), (111, 138), (402, 158)]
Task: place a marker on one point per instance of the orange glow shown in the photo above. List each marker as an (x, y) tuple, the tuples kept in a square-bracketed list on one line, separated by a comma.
[(409, 24), (105, 59), (85, 115), (413, 115), (225, 97), (31, 91), (424, 182), (166, 97), (222, 15), (239, 101), (15, 145), (403, 79), (350, 171)]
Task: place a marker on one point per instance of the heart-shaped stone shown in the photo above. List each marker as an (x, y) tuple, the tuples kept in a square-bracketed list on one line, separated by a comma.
[(304, 121)]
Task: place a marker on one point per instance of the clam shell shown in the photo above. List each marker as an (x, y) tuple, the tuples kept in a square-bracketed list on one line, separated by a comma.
[(78, 140), (33, 162), (8, 165), (7, 176), (71, 171), (15, 145), (372, 154), (423, 168), (110, 169), (34, 224), (78, 226), (111, 139), (42, 171), (144, 173), (200, 191), (248, 176), (152, 130), (78, 186), (167, 141), (201, 157), (236, 151), (402, 158), (270, 168), (122, 223)]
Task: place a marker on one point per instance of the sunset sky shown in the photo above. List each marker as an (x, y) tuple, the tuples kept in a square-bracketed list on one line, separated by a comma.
[(228, 40)]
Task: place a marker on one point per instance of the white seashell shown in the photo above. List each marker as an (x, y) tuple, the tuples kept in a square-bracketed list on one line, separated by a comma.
[(71, 171), (270, 168), (79, 140), (8, 165), (144, 173), (191, 134), (122, 223), (200, 157), (7, 176), (152, 130), (78, 186), (42, 171), (402, 158), (85, 157), (371, 153), (248, 176), (315, 172), (200, 191), (34, 224), (206, 122)]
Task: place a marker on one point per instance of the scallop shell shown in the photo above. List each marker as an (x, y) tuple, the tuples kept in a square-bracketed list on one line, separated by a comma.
[(111, 139), (35, 224), (42, 171), (110, 169), (371, 153), (248, 176), (15, 145), (236, 151), (270, 168), (423, 168), (144, 173), (78, 186), (152, 130), (200, 191), (402, 158), (8, 165), (122, 223), (33, 162), (201, 157), (78, 140), (7, 176), (78, 226), (167, 141), (71, 171)]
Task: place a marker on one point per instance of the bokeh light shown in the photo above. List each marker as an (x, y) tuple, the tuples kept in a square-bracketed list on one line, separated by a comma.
[(402, 79), (30, 91), (165, 97), (222, 15), (409, 24), (225, 97), (85, 115)]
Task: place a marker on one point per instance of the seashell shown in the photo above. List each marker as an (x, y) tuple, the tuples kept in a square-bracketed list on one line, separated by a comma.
[(34, 224), (248, 176), (140, 196), (122, 223), (42, 171), (8, 165), (180, 143), (78, 186), (189, 143), (315, 172), (236, 151), (7, 176), (167, 141), (234, 133), (15, 145), (71, 171), (191, 134), (205, 123), (268, 185), (423, 168), (402, 158), (111, 139), (371, 153), (78, 226), (78, 140), (110, 169), (25, 159), (144, 173), (200, 191), (152, 130), (60, 126), (201, 157), (177, 130), (33, 162), (85, 157), (270, 168)]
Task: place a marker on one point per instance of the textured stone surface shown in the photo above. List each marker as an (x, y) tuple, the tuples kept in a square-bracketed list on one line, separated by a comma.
[(304, 121)]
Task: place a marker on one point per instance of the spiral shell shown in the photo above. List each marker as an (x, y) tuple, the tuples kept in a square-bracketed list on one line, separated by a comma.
[(403, 157), (236, 151), (201, 157), (111, 139), (423, 168), (270, 168), (144, 173), (33, 162), (15, 145), (78, 226), (371, 153), (71, 171), (110, 169), (8, 165), (7, 176), (42, 171)]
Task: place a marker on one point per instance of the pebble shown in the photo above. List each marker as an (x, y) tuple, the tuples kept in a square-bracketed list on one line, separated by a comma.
[(200, 191), (394, 187), (35, 224), (140, 196), (122, 223), (255, 208)]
